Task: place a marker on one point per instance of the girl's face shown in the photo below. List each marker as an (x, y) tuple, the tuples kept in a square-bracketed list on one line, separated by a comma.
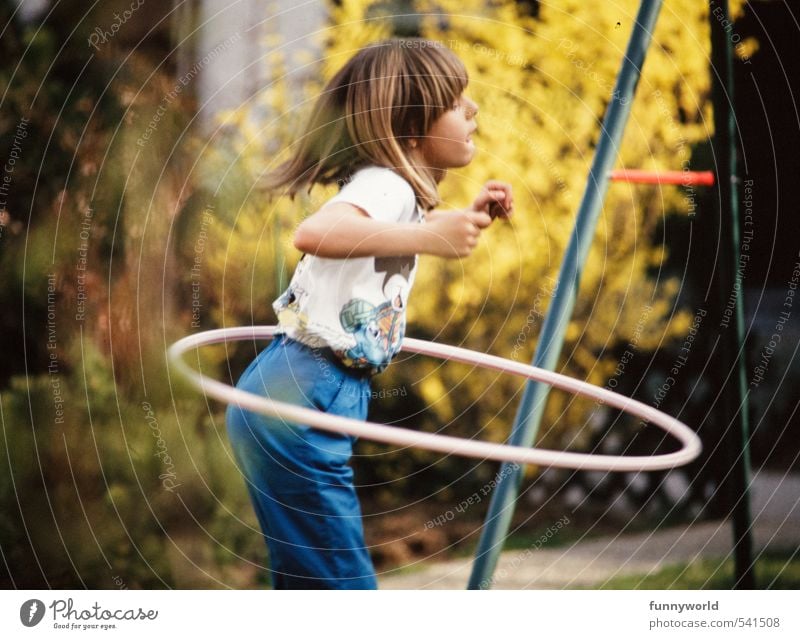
[(449, 143)]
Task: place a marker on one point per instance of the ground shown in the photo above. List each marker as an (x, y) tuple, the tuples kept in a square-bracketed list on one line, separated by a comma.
[(593, 562)]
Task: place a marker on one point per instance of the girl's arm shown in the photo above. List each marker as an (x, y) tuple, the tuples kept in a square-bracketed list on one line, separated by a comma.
[(342, 230)]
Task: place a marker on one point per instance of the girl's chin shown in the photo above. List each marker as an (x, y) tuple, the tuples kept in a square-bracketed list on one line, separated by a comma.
[(469, 153), (457, 160), (466, 155)]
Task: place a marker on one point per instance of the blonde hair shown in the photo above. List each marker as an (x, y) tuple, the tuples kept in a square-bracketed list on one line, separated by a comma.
[(385, 95)]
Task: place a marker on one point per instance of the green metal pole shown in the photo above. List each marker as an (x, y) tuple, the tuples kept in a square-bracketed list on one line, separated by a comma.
[(734, 411), (526, 424)]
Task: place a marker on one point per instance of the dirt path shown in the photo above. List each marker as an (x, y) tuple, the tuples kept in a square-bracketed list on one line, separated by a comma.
[(776, 514)]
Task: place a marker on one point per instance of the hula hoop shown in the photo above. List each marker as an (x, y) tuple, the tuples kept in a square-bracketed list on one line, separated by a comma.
[(445, 443)]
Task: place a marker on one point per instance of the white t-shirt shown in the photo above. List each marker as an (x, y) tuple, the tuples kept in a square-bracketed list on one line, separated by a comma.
[(356, 306)]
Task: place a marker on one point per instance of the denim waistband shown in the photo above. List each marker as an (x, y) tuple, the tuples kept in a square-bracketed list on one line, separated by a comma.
[(328, 354)]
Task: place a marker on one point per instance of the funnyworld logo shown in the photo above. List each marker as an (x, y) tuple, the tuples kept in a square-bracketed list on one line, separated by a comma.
[(31, 612)]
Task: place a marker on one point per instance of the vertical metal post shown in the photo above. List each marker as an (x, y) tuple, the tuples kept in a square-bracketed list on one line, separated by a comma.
[(734, 410), (526, 424)]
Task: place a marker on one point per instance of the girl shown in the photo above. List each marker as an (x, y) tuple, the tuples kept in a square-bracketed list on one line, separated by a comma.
[(386, 129)]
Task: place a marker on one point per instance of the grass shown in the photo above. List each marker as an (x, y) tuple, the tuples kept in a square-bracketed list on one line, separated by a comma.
[(776, 570)]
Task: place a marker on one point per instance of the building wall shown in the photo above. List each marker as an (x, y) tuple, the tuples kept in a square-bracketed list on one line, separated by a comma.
[(240, 31)]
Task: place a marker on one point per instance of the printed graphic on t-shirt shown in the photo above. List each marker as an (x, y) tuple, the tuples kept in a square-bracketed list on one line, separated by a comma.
[(378, 331), (356, 306), (289, 305), (397, 270)]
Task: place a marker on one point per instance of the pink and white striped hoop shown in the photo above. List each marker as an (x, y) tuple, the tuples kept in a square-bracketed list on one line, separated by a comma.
[(445, 443)]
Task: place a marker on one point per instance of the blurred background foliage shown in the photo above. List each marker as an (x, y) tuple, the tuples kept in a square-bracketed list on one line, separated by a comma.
[(538, 123), (88, 498)]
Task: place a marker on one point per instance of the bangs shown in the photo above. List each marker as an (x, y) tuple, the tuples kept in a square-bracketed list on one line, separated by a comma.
[(441, 76)]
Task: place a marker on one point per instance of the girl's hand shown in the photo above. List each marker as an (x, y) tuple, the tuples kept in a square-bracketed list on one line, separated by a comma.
[(454, 233), (495, 199)]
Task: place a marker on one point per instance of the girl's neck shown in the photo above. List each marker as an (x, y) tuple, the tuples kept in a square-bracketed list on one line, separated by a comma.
[(419, 160)]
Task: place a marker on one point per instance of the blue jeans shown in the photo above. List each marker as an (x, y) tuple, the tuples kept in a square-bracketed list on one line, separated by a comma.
[(298, 477)]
